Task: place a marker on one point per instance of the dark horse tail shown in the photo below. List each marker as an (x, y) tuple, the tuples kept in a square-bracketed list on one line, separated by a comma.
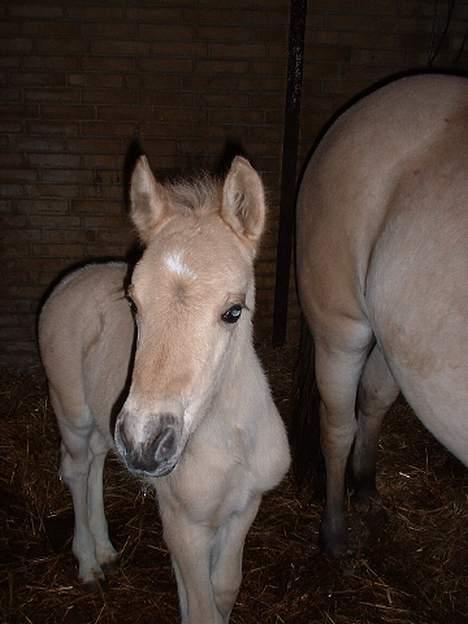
[(305, 424)]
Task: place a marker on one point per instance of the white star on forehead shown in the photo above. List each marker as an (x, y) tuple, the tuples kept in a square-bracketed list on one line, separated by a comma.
[(176, 264)]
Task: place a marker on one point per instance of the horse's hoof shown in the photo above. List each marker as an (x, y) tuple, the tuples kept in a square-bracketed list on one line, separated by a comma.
[(366, 501), (333, 544)]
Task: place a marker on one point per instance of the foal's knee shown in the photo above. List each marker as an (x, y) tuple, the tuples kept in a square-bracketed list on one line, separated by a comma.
[(226, 595)]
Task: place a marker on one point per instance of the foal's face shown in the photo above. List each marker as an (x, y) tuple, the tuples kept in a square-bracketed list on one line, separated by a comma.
[(193, 296)]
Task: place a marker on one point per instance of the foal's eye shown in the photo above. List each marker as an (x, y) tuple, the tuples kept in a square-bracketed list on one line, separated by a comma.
[(233, 314)]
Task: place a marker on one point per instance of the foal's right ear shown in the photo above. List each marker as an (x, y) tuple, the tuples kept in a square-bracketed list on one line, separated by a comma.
[(148, 200)]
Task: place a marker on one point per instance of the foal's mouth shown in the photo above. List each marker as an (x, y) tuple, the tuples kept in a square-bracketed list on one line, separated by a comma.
[(161, 471)]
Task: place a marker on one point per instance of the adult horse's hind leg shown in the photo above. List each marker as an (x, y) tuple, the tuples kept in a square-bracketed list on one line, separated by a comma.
[(377, 391), (338, 370)]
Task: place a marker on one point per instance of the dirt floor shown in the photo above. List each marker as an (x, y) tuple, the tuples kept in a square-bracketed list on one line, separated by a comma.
[(409, 565)]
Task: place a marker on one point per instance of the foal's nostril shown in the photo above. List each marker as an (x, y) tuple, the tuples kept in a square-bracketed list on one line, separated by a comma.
[(165, 445)]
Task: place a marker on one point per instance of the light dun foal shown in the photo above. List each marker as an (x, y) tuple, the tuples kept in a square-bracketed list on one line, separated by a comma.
[(198, 421)]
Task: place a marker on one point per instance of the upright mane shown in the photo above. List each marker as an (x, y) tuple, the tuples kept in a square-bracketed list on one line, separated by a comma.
[(199, 195)]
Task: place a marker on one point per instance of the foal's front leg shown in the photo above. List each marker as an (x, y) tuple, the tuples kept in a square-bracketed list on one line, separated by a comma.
[(226, 574), (190, 547)]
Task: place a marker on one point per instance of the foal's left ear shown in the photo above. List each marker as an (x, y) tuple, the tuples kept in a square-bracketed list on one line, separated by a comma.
[(148, 200), (243, 207)]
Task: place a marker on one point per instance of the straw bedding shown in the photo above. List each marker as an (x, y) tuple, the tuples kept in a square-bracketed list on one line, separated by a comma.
[(409, 562)]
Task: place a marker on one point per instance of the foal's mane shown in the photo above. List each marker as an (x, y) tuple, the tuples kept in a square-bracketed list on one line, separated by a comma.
[(198, 195)]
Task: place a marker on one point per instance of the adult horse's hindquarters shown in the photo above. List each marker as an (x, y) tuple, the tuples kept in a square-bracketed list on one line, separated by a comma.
[(382, 264)]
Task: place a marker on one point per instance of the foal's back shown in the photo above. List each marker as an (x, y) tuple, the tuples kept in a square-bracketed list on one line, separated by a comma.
[(86, 332)]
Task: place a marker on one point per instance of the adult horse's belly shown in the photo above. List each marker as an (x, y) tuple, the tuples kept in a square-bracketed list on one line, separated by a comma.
[(417, 299)]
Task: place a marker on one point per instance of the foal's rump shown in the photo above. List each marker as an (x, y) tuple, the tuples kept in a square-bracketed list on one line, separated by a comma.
[(85, 334)]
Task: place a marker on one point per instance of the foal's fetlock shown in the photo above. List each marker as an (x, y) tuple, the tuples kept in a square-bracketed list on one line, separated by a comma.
[(91, 576), (106, 556)]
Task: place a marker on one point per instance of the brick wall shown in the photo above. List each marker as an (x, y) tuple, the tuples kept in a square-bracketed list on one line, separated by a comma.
[(80, 79)]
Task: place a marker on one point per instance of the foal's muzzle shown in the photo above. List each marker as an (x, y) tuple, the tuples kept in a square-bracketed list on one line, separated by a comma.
[(156, 454)]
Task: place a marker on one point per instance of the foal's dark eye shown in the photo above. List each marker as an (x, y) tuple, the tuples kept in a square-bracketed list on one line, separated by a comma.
[(233, 314)]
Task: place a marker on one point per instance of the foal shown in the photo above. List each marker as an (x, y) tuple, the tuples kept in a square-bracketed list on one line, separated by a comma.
[(197, 421)]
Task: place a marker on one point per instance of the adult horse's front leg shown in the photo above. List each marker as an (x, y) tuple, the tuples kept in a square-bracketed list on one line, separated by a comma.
[(338, 371), (190, 547), (226, 573)]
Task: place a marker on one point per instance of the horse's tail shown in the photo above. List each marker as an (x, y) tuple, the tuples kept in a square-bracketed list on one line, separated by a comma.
[(305, 425)]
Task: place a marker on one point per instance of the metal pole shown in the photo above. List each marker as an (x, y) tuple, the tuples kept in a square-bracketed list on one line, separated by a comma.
[(297, 22)]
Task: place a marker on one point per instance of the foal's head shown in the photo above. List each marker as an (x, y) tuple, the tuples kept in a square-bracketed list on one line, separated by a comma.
[(193, 300)]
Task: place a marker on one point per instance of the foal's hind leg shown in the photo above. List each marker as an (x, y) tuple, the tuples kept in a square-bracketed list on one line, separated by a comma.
[(377, 391), (74, 470), (106, 554), (338, 369)]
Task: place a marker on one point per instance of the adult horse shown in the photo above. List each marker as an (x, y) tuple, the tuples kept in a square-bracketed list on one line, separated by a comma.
[(382, 269), (194, 413)]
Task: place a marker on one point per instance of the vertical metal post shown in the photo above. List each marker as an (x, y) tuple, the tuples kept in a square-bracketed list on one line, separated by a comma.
[(297, 22)]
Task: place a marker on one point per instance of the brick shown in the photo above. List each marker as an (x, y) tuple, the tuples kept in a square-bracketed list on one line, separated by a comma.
[(59, 128), (174, 32), (68, 63), (95, 207), (244, 50), (15, 44), (67, 236), (62, 46), (49, 28), (38, 144), (11, 160), (18, 175), (108, 129), (59, 161), (20, 236), (12, 221), (42, 206), (94, 146), (54, 221), (64, 176), (218, 66), (74, 112), (51, 191), (10, 62), (11, 95), (158, 15), (34, 10), (120, 48), (95, 13), (34, 79), (95, 80), (59, 250), (19, 111), (104, 64), (52, 95)]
